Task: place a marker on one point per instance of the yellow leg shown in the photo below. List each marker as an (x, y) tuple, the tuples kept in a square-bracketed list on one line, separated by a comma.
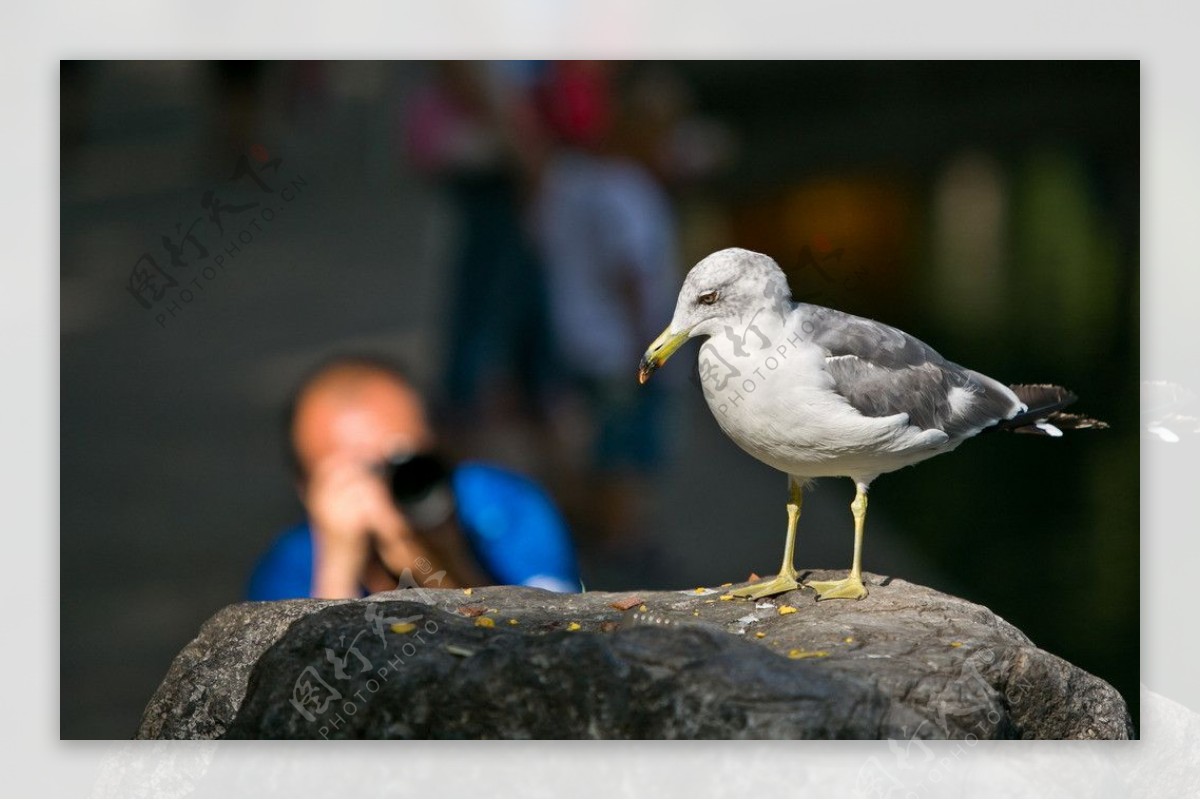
[(851, 588), (786, 580)]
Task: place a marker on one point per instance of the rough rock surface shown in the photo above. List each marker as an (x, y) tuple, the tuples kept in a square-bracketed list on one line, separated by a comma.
[(206, 682), (503, 662)]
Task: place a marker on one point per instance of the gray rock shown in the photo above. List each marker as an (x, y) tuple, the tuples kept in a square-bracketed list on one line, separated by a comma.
[(206, 682), (504, 662)]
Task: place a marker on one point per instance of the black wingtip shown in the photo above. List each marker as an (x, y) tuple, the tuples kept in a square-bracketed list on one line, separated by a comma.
[(1043, 397), (1045, 416)]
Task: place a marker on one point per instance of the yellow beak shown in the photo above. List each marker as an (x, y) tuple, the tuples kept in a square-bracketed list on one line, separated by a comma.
[(659, 351)]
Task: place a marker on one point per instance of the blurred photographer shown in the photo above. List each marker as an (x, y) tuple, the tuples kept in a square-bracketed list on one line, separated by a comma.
[(380, 501)]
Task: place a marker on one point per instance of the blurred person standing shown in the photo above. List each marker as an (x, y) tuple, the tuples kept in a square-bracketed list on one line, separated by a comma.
[(607, 235), (473, 128)]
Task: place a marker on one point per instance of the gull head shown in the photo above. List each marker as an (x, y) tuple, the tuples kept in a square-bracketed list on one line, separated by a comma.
[(725, 288)]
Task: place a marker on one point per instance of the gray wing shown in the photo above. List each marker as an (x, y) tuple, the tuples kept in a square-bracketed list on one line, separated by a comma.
[(882, 371)]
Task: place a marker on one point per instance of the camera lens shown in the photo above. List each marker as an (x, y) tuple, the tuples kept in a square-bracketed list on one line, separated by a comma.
[(413, 476), (420, 486)]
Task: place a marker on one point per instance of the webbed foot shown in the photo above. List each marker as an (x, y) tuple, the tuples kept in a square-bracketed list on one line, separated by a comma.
[(850, 588), (755, 591)]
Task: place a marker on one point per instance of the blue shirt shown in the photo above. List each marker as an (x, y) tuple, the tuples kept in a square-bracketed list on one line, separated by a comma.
[(513, 528)]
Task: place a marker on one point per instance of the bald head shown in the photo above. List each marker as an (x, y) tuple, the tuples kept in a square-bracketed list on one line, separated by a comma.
[(359, 409)]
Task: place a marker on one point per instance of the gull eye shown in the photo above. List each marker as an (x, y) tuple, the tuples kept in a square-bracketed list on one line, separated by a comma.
[(708, 298)]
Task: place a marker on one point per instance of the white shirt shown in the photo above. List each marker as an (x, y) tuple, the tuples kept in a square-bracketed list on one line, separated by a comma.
[(603, 223)]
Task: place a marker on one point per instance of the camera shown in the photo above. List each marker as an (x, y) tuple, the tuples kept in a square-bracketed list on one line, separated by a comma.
[(420, 486)]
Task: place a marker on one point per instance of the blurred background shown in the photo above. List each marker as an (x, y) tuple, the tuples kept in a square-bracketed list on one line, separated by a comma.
[(515, 233)]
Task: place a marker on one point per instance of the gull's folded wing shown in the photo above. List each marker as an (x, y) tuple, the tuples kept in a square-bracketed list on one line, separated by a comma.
[(882, 371)]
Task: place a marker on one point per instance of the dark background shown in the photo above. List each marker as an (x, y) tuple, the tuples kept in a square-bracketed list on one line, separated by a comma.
[(991, 208)]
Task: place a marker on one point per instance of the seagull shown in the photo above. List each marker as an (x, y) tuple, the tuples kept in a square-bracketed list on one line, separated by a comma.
[(817, 393)]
